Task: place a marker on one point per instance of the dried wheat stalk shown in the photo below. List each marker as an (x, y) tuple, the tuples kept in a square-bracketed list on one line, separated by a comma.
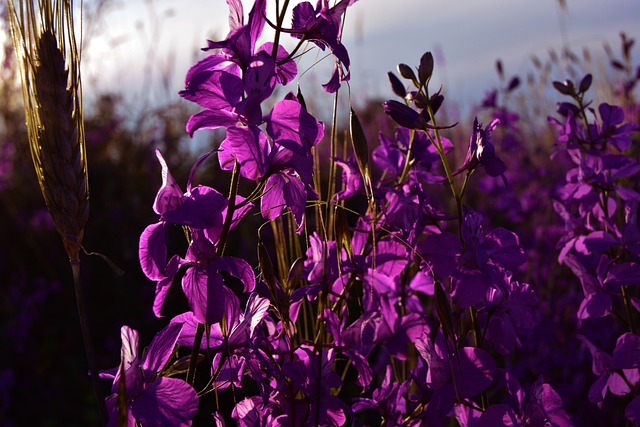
[(45, 45), (50, 68)]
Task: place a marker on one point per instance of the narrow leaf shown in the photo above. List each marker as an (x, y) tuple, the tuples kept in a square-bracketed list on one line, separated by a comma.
[(444, 312), (361, 150)]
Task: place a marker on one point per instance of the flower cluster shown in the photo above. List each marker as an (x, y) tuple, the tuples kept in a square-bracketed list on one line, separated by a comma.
[(399, 301), (598, 203)]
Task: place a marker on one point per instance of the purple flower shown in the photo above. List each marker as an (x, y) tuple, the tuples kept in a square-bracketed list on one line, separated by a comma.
[(510, 316), (199, 207), (313, 383), (545, 407), (469, 370), (389, 399), (203, 210), (150, 398), (351, 179), (486, 262), (616, 373), (203, 284), (239, 46), (482, 152), (404, 115), (241, 327), (609, 130), (322, 25)]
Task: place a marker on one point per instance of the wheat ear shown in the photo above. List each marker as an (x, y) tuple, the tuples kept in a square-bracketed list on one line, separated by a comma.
[(49, 64), (45, 45)]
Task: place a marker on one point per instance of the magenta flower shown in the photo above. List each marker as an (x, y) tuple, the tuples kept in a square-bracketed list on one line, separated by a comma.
[(150, 398), (482, 152), (468, 370), (322, 25), (203, 210), (612, 129)]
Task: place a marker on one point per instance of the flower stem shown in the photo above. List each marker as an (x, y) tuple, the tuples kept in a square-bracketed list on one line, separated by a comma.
[(627, 310), (191, 371)]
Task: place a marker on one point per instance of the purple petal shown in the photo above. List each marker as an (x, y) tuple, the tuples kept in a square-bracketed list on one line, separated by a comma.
[(190, 325), (211, 119), (522, 305), (257, 20), (152, 251), (545, 405), (422, 283), (213, 233), (163, 286), (203, 288), (201, 209), (236, 14), (169, 196), (291, 126), (130, 341), (503, 248), (470, 287), (167, 402), (595, 306), (598, 389), (440, 251), (236, 267), (285, 72), (498, 415), (249, 146), (281, 191), (351, 180), (599, 242), (632, 411), (622, 274), (129, 364), (474, 374), (212, 89), (255, 311), (248, 412), (259, 82), (403, 115), (627, 352), (160, 350)]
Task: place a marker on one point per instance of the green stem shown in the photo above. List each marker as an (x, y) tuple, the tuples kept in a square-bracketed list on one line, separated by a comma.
[(407, 162), (332, 167), (279, 20), (88, 342), (627, 310), (233, 191), (191, 372)]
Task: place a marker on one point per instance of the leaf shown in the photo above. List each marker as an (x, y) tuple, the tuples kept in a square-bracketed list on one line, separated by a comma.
[(343, 236), (444, 312), (361, 150), (181, 365), (266, 267)]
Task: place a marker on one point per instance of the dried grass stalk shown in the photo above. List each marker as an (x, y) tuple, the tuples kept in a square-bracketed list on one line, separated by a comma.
[(45, 46), (49, 59)]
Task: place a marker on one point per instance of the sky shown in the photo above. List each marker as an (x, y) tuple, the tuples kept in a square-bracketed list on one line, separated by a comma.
[(143, 48)]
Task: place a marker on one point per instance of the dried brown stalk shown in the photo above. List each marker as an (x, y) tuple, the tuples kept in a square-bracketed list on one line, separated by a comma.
[(49, 60)]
